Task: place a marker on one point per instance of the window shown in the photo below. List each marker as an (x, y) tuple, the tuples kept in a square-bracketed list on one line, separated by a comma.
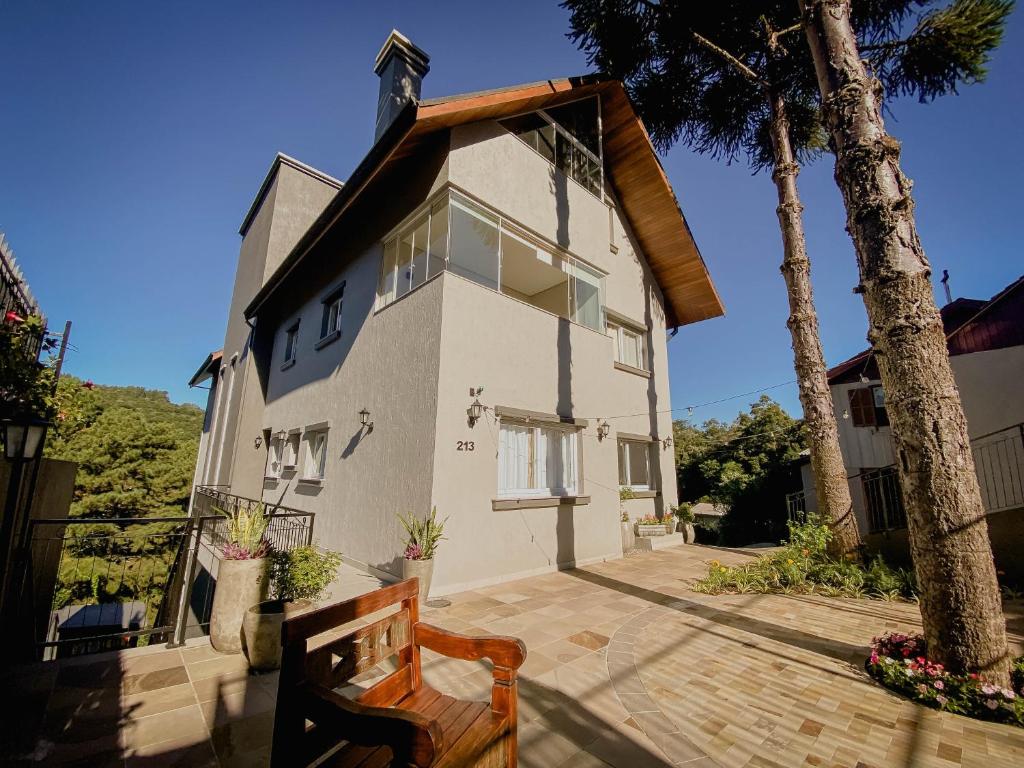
[(867, 407), (274, 464), (291, 343), (316, 455), (635, 465), (537, 460), (330, 322), (479, 245), (291, 450), (568, 136), (628, 345), (417, 253)]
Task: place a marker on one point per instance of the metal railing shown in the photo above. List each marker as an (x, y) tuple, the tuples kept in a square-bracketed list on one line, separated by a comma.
[(796, 507), (882, 499), (999, 462), (99, 584)]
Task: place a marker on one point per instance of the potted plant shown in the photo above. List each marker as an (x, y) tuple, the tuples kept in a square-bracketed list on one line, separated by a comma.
[(684, 514), (241, 576), (418, 558), (628, 539), (298, 578), (649, 525)]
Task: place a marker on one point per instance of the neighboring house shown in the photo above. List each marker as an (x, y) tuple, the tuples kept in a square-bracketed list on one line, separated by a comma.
[(986, 348), (476, 320)]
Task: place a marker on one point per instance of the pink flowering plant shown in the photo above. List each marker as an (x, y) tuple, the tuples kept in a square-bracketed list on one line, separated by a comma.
[(900, 662)]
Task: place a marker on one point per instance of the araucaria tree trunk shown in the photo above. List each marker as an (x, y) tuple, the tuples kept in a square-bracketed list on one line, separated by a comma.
[(960, 604), (833, 491)]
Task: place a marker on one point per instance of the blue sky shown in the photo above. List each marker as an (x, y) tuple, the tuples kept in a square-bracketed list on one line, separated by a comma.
[(135, 135)]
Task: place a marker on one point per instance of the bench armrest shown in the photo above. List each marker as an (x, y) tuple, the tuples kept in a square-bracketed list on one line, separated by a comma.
[(412, 737), (508, 652)]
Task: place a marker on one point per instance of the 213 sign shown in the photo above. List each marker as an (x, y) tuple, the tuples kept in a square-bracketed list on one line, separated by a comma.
[(465, 445)]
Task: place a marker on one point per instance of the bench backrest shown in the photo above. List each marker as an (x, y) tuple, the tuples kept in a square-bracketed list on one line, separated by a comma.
[(327, 663)]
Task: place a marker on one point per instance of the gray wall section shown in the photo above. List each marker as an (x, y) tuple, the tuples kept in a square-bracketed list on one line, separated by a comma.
[(292, 202)]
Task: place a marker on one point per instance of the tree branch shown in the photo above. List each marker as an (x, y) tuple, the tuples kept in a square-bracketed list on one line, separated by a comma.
[(739, 65)]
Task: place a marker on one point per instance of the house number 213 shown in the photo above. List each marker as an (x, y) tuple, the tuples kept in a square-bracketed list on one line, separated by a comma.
[(465, 445)]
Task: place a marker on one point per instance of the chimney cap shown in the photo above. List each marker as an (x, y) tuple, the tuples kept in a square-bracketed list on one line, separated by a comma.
[(400, 45)]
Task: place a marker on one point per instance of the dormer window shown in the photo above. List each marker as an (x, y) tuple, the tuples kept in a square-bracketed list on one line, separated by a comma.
[(568, 136)]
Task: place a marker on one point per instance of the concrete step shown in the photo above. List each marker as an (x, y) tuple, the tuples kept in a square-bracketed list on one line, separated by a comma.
[(651, 543)]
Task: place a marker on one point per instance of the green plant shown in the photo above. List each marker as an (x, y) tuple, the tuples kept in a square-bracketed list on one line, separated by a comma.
[(649, 519), (303, 573), (424, 535), (245, 533), (624, 517), (804, 567), (626, 493), (684, 513)]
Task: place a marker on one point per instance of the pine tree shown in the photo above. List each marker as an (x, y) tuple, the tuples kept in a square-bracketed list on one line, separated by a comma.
[(720, 77), (960, 602)]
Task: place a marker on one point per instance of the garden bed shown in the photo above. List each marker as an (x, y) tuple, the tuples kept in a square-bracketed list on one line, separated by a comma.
[(900, 663)]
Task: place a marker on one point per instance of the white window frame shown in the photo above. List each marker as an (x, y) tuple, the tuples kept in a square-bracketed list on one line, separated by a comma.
[(314, 467), (535, 455), (292, 446), (631, 445), (619, 332), (291, 342), (332, 313), (275, 459)]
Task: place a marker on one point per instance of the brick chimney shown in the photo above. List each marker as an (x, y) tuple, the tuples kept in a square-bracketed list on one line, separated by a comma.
[(401, 67)]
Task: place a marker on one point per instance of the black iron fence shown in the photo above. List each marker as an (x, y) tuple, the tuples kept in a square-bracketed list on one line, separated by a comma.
[(796, 507), (882, 499), (98, 584)]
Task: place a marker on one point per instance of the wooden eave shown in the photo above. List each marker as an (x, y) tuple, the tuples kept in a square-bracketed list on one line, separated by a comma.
[(632, 167)]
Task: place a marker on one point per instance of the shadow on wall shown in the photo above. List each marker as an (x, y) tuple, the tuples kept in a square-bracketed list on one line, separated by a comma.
[(565, 531)]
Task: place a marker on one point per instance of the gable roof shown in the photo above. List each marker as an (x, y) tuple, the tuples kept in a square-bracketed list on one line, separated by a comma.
[(207, 369), (971, 325), (632, 167)]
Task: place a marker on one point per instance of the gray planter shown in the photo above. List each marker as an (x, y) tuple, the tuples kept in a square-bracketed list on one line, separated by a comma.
[(422, 570), (649, 530), (628, 537), (689, 533), (262, 631), (240, 585)]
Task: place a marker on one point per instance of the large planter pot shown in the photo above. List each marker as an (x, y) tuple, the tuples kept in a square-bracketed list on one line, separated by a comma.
[(240, 585), (649, 530), (262, 631), (689, 533), (422, 570), (628, 537)]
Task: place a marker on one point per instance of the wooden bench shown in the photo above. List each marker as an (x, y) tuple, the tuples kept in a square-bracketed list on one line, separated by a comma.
[(398, 721)]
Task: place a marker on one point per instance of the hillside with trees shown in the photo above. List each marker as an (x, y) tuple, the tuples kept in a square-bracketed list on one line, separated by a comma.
[(135, 449)]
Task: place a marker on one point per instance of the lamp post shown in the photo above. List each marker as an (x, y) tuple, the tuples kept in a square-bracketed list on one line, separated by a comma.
[(22, 444)]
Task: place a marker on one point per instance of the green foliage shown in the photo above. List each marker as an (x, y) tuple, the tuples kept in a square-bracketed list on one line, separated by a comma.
[(748, 466), (245, 534), (803, 567), (424, 535), (684, 513), (626, 493), (670, 56), (303, 573), (26, 385), (135, 450)]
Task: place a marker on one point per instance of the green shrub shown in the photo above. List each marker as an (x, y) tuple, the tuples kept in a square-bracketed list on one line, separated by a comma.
[(804, 567), (303, 573), (684, 513)]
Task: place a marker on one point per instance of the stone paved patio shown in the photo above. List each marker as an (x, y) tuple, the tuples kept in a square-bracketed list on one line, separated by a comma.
[(627, 667)]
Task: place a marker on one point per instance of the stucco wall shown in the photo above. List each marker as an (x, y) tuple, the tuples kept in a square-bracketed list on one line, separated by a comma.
[(386, 362), (529, 359), (292, 202)]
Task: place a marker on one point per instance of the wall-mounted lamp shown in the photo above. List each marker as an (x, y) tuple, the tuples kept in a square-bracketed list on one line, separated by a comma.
[(864, 379), (257, 442), (281, 435), (475, 411), (603, 430), (689, 411), (364, 420), (846, 414), (666, 443)]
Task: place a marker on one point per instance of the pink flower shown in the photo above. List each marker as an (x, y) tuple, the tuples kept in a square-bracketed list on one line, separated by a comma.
[(874, 657), (413, 552), (939, 685), (941, 700), (988, 689), (88, 384), (13, 317), (922, 688), (1008, 694), (991, 703)]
